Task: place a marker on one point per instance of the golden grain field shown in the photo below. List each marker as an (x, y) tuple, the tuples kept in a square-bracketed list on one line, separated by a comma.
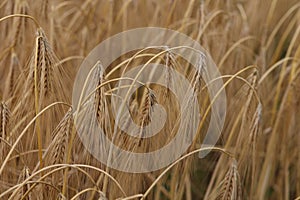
[(254, 43)]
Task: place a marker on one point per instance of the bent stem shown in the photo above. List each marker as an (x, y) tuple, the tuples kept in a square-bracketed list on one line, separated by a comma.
[(21, 15)]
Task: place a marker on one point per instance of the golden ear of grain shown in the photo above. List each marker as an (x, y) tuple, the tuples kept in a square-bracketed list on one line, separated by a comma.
[(48, 71), (146, 107), (201, 67), (4, 118), (230, 187), (99, 97), (169, 63), (147, 104), (60, 138), (45, 62)]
